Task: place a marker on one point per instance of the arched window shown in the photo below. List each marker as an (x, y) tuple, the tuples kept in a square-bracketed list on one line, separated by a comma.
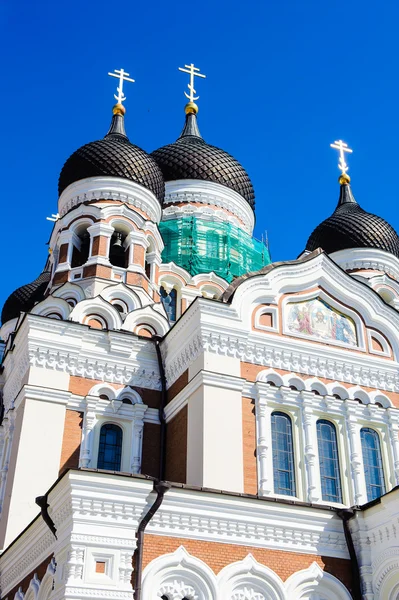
[(283, 454), (170, 303), (372, 460), (81, 254), (110, 448), (329, 461)]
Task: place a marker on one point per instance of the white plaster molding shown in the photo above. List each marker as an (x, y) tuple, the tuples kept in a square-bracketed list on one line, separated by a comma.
[(52, 305), (207, 192), (97, 307), (68, 291), (249, 580), (110, 188), (386, 351), (314, 580), (146, 316), (179, 574), (121, 291), (367, 258)]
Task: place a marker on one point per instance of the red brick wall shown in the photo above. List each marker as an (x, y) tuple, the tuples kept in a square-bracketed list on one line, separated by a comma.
[(71, 441), (249, 446), (176, 448), (178, 385), (151, 450), (217, 556)]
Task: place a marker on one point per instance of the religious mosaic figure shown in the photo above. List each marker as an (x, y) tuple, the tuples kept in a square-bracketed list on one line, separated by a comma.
[(318, 319)]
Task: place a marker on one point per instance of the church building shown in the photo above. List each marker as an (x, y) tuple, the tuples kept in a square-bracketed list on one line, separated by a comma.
[(183, 419)]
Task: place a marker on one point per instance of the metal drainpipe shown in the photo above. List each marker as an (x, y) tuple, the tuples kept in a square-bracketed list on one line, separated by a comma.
[(346, 514), (160, 486)]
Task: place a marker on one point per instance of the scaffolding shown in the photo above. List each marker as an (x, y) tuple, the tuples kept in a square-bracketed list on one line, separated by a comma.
[(201, 246)]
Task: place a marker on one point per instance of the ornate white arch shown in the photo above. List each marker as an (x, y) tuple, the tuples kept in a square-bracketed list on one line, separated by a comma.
[(129, 394), (179, 575), (70, 290), (33, 590), (303, 583), (298, 382), (358, 392), (380, 397), (103, 388), (337, 388), (122, 292), (97, 306), (52, 305), (270, 375), (315, 384), (146, 316), (46, 584), (249, 580)]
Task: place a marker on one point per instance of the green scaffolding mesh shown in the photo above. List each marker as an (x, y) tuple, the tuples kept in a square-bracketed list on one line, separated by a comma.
[(201, 246)]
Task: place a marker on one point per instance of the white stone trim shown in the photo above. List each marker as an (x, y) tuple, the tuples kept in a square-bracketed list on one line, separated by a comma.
[(380, 338), (305, 409), (273, 310), (368, 259), (179, 575), (207, 192), (249, 580), (204, 213), (314, 580), (110, 188)]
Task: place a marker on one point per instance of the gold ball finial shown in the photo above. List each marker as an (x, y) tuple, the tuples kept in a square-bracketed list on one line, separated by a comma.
[(191, 108), (344, 179), (119, 109)]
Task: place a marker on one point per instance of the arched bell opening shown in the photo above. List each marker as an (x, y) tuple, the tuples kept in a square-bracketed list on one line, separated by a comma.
[(118, 253)]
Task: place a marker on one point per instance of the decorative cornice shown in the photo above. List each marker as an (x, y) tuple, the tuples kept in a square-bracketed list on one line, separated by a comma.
[(368, 259), (207, 192), (110, 188)]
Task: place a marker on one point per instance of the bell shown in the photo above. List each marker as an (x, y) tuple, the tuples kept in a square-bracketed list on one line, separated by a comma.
[(117, 242)]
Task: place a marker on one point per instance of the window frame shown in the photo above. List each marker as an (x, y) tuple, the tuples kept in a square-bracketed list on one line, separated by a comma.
[(291, 471)]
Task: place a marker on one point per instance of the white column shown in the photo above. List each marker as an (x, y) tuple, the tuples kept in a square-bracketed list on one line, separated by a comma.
[(100, 230), (136, 238), (310, 447), (70, 238), (264, 447), (153, 259), (355, 453), (89, 422), (137, 437), (9, 425), (393, 428)]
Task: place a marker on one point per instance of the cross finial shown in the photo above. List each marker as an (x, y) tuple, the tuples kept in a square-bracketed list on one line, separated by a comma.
[(122, 76), (342, 147), (193, 72)]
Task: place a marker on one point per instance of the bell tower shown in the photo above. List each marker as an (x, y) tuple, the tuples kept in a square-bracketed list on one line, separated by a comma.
[(110, 195)]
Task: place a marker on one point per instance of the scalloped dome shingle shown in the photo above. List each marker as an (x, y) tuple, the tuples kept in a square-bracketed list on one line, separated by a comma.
[(113, 156), (352, 227), (25, 297), (190, 157)]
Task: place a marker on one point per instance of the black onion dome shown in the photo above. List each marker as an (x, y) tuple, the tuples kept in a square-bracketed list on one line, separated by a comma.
[(352, 227), (113, 156), (190, 157), (25, 297)]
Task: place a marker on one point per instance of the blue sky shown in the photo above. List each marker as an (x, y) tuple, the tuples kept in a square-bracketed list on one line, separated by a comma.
[(284, 79)]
